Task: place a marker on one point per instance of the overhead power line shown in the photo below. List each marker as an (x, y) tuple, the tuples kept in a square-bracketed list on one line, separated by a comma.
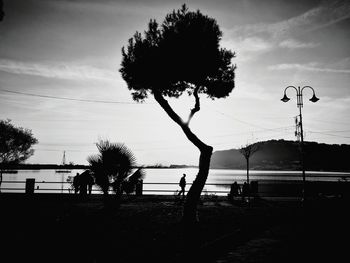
[(331, 121), (255, 131), (329, 134), (332, 131), (66, 98), (245, 122)]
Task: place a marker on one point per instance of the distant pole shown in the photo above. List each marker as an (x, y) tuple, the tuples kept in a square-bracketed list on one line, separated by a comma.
[(299, 92), (64, 158), (62, 175), (302, 150), (30, 184)]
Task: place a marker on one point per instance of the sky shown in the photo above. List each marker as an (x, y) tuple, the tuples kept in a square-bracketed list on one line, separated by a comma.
[(59, 76)]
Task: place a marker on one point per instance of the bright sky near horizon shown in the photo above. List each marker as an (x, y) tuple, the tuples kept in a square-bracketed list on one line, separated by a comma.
[(59, 63)]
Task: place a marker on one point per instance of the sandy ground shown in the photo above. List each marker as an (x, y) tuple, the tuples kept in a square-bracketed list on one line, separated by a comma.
[(67, 228)]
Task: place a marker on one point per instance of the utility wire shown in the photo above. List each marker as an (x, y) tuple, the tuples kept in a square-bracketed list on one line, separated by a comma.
[(244, 122), (66, 98), (329, 134), (335, 122), (159, 141), (273, 131), (336, 131), (147, 149), (118, 102)]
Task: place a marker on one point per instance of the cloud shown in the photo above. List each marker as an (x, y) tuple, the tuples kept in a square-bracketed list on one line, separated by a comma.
[(295, 44), (246, 46), (133, 8), (263, 37), (327, 13), (313, 67), (254, 44), (341, 104), (58, 70), (342, 64)]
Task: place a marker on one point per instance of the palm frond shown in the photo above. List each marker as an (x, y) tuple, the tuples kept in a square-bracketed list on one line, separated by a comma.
[(114, 160)]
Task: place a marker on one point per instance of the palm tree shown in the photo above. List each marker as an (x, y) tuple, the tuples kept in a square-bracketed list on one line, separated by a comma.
[(112, 166)]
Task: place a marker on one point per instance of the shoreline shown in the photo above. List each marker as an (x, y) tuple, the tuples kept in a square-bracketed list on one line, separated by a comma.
[(80, 167)]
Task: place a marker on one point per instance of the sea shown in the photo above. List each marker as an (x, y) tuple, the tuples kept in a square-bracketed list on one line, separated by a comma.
[(165, 180)]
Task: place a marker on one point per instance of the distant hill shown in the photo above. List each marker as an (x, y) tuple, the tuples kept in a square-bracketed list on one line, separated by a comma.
[(285, 155)]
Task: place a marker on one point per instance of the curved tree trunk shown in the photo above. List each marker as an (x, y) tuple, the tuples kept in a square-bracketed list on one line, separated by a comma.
[(194, 193)]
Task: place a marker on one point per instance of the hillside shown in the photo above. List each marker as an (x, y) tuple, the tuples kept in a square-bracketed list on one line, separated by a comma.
[(285, 155)]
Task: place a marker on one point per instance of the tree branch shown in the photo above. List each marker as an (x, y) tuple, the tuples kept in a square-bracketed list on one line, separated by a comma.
[(196, 106), (248, 150), (176, 118), (165, 105)]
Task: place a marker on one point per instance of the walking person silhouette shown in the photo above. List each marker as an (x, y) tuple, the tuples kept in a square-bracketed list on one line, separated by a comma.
[(182, 184)]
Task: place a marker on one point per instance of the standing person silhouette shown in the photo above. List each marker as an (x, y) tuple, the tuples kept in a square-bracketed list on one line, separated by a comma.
[(76, 183), (234, 191), (91, 182), (182, 184), (85, 181)]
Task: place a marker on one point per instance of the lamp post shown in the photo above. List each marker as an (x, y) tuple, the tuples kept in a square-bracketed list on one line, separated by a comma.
[(299, 92)]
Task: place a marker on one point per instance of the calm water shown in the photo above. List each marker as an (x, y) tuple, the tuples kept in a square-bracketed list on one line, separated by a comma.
[(48, 181)]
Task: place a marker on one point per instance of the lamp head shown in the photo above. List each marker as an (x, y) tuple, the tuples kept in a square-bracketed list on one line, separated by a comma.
[(314, 98), (285, 98)]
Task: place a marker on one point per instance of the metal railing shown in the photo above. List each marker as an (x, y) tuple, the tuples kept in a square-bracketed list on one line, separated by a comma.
[(266, 188), (69, 188)]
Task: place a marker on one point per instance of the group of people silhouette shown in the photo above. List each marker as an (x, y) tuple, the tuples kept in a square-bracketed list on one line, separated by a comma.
[(236, 191), (83, 183)]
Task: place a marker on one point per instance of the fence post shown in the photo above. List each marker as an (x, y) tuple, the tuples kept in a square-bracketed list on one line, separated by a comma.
[(139, 187), (30, 182), (254, 188)]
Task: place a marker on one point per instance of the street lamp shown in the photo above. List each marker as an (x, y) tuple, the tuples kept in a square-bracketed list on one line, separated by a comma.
[(300, 105)]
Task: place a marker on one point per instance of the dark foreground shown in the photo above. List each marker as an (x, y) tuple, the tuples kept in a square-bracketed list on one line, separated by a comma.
[(66, 228)]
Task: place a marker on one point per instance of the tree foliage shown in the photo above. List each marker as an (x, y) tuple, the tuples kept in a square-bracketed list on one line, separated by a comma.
[(2, 14), (15, 143), (179, 55)]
